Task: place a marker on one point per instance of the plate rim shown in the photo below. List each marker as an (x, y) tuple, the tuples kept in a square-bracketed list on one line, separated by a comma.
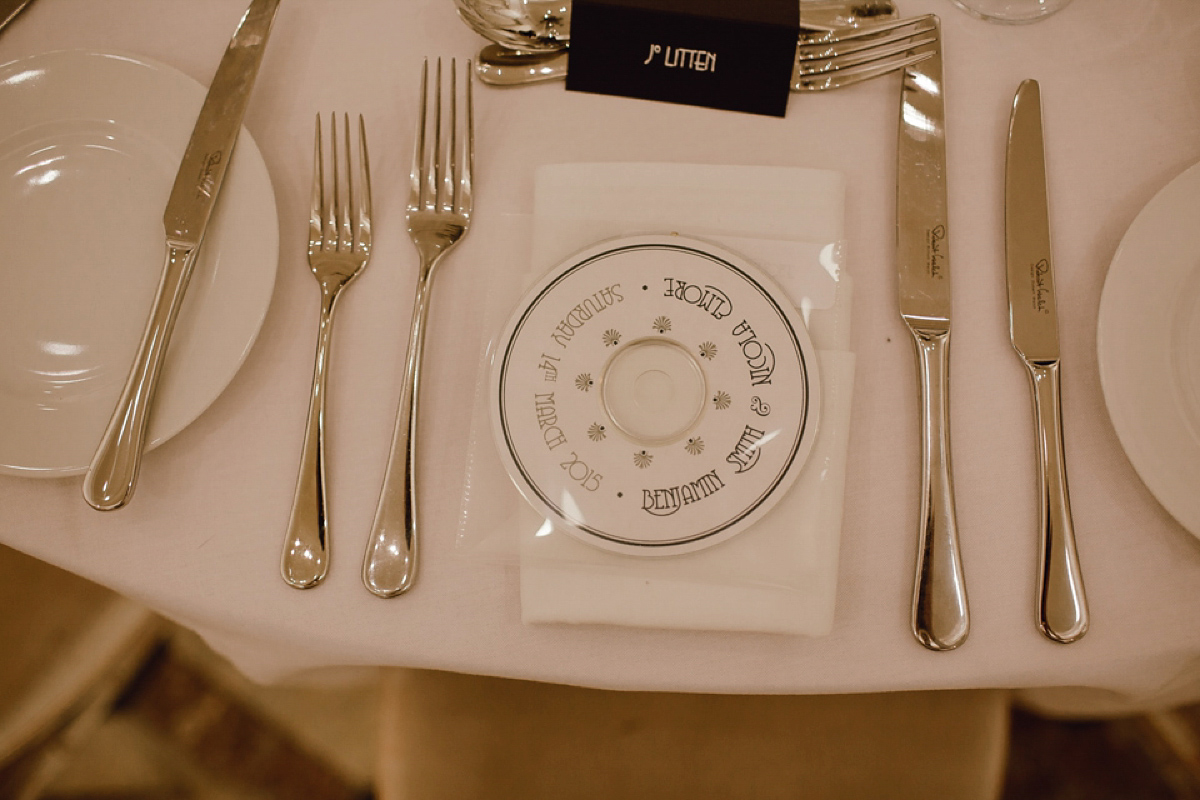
[(1144, 449)]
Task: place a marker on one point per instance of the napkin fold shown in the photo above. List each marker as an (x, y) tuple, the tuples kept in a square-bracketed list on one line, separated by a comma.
[(780, 575)]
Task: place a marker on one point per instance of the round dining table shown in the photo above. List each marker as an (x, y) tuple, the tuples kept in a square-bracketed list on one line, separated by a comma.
[(200, 541)]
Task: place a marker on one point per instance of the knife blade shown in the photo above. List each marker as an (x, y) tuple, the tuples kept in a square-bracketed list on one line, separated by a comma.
[(112, 476), (940, 617), (1062, 611)]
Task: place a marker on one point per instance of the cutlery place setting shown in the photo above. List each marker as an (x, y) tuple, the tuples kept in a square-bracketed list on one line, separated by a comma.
[(661, 428)]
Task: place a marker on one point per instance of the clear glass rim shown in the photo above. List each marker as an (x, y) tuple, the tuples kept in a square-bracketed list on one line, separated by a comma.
[(1011, 12)]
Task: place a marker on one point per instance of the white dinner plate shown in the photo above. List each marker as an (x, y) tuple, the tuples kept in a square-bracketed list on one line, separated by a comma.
[(1148, 341), (89, 146), (655, 395)]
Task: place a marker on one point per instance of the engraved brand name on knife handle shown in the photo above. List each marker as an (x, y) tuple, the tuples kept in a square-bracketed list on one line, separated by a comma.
[(940, 618), (1040, 292), (935, 257), (206, 181)]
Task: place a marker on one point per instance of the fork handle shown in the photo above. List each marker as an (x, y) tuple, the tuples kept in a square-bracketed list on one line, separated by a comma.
[(305, 559), (390, 563), (113, 473)]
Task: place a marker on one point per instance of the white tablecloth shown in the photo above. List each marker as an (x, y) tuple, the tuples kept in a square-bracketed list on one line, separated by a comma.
[(201, 540)]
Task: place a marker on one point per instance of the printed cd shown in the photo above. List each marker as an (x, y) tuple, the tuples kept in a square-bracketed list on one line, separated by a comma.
[(654, 395)]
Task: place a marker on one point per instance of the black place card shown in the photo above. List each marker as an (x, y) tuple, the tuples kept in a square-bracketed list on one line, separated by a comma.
[(730, 54)]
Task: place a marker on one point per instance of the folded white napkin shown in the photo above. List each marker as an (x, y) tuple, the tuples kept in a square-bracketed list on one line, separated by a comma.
[(779, 575)]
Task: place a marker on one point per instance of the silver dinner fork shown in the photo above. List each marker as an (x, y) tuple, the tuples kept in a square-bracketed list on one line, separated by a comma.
[(837, 58), (339, 247), (439, 212)]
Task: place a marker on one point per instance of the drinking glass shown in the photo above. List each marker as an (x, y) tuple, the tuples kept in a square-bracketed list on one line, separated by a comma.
[(1011, 11)]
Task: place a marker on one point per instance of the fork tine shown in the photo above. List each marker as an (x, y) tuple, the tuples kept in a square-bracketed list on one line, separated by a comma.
[(363, 241), (330, 203), (866, 57), (316, 215), (868, 30), (443, 159), (833, 58), (452, 146), (890, 41), (462, 202), (346, 190), (840, 78), (436, 177), (417, 180), (822, 46)]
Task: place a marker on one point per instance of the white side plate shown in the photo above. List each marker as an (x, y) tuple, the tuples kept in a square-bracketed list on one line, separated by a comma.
[(89, 146), (1148, 342)]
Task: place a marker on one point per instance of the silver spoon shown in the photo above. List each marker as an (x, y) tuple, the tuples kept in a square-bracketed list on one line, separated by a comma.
[(497, 65)]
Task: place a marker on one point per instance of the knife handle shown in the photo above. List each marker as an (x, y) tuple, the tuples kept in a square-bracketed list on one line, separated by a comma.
[(940, 620), (113, 473), (1061, 604)]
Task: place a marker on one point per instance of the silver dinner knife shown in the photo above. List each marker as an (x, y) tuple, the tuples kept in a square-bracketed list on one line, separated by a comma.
[(940, 619), (113, 473), (1033, 319)]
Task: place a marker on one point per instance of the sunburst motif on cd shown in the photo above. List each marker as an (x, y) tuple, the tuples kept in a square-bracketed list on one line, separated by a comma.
[(694, 446), (611, 337), (661, 324), (596, 432), (721, 401), (642, 459), (708, 351), (583, 381)]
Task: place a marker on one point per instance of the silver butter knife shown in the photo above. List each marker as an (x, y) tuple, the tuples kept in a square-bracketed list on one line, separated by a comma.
[(113, 473), (940, 619), (1033, 318)]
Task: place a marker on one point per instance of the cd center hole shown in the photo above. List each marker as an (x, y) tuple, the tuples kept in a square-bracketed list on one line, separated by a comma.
[(653, 390)]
